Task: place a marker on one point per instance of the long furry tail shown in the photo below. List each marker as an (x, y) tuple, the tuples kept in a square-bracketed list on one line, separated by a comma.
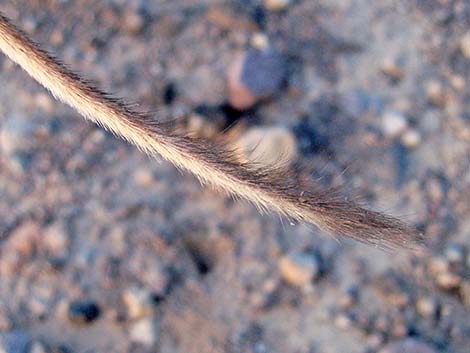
[(210, 162)]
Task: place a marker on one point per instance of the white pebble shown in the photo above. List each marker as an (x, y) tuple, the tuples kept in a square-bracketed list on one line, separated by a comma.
[(260, 41), (144, 332), (465, 45), (393, 124), (411, 138), (268, 145)]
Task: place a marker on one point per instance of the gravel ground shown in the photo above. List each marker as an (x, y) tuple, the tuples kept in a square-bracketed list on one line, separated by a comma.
[(105, 250)]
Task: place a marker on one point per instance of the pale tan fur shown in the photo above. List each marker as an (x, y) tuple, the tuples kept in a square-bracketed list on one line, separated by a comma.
[(212, 164)]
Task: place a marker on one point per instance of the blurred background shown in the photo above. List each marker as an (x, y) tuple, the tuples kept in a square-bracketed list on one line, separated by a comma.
[(103, 249)]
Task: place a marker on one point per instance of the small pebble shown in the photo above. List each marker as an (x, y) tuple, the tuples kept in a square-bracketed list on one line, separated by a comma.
[(133, 22), (260, 41), (465, 45), (411, 138), (438, 265), (253, 76), (143, 177), (299, 269), (408, 345), (83, 312), (138, 302), (427, 306), (55, 240), (448, 280), (268, 146), (392, 70), (276, 5), (144, 332), (393, 124), (435, 93)]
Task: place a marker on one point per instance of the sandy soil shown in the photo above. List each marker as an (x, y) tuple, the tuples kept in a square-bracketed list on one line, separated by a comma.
[(105, 250)]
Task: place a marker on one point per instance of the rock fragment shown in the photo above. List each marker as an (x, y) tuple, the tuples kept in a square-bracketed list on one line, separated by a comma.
[(299, 269), (436, 94), (133, 22), (392, 70), (268, 146), (144, 331), (411, 138), (448, 280), (427, 306), (138, 302), (255, 75), (55, 240)]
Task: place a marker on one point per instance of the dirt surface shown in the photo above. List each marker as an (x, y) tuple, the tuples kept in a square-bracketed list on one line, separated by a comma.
[(105, 250)]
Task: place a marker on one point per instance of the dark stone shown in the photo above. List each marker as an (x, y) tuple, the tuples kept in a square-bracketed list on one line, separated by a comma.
[(169, 93), (83, 312), (263, 72)]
